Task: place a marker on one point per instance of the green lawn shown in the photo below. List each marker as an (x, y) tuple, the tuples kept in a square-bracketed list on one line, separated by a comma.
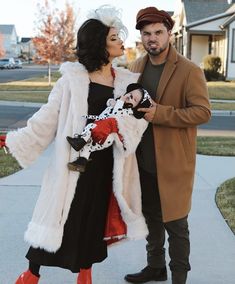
[(216, 146), (33, 96), (223, 106), (8, 165), (221, 90), (225, 199)]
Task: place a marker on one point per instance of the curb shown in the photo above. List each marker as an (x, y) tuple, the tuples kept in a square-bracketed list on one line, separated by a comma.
[(223, 112), (20, 104)]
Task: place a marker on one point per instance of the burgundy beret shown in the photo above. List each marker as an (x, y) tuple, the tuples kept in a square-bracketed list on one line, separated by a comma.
[(153, 15)]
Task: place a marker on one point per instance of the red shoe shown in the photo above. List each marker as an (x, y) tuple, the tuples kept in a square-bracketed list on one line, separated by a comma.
[(27, 277), (84, 276)]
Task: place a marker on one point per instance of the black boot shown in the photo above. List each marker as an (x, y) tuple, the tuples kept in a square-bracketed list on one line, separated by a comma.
[(179, 277), (77, 142), (148, 274), (78, 165)]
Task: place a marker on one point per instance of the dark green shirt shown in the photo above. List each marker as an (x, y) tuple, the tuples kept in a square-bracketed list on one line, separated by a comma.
[(146, 151)]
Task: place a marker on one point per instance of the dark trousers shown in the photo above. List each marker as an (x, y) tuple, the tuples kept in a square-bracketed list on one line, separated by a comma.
[(179, 245)]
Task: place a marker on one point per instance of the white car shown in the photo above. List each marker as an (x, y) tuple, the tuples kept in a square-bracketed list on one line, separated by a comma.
[(18, 63), (7, 63)]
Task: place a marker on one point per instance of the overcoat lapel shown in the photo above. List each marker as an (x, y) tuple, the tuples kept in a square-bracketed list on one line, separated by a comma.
[(166, 75)]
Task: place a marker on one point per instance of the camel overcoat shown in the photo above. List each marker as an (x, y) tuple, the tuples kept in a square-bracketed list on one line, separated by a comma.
[(182, 104), (64, 115)]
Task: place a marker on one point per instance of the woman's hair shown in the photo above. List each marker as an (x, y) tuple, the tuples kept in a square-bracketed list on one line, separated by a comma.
[(91, 45), (92, 35)]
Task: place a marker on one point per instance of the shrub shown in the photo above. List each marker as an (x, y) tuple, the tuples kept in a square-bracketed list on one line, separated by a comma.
[(212, 65)]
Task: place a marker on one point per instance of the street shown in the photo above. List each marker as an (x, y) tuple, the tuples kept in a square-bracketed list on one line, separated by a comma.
[(12, 117), (28, 71)]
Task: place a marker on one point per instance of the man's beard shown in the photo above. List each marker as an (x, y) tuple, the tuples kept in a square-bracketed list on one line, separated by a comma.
[(154, 51)]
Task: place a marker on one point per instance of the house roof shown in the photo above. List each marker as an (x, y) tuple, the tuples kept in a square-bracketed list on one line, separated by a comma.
[(6, 29), (196, 10), (228, 21), (211, 19)]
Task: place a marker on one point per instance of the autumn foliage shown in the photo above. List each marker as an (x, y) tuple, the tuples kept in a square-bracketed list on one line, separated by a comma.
[(55, 40), (2, 51)]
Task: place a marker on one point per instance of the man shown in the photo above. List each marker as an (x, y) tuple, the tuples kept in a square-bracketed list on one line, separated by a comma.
[(167, 153)]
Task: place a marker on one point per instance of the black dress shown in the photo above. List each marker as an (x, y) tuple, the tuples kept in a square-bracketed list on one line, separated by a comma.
[(83, 243)]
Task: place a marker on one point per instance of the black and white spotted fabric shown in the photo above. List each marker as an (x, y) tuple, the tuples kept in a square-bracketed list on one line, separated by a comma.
[(110, 111)]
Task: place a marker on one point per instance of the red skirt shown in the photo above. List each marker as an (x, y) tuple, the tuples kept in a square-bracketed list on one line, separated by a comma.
[(115, 229)]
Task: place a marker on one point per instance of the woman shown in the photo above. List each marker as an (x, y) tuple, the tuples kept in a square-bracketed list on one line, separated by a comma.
[(69, 220)]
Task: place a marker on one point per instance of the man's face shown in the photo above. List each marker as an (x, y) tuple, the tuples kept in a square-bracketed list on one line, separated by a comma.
[(155, 38), (133, 97)]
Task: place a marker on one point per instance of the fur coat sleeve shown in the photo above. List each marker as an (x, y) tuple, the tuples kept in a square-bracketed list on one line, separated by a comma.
[(27, 143)]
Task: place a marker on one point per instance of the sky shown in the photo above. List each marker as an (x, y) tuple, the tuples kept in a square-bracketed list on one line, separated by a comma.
[(23, 13)]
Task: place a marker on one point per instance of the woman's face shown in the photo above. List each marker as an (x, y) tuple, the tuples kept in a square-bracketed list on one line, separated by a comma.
[(114, 44)]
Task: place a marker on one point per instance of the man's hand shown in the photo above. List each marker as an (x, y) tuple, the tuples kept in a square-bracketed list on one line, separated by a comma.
[(149, 112)]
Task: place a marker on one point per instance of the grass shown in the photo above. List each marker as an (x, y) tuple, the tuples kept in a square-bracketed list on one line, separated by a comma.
[(20, 90), (33, 96), (223, 106), (216, 145), (24, 86), (221, 90), (8, 164), (225, 200)]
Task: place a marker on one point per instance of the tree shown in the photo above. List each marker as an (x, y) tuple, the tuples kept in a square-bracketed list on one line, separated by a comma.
[(2, 51), (55, 39), (66, 34)]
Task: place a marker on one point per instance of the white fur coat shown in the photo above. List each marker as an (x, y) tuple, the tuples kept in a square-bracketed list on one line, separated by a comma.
[(63, 116)]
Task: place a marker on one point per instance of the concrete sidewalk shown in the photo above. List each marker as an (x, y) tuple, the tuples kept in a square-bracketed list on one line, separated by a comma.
[(212, 242)]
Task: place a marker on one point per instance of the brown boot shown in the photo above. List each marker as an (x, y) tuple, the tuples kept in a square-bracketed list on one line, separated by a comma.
[(77, 142), (78, 165), (27, 277), (84, 276)]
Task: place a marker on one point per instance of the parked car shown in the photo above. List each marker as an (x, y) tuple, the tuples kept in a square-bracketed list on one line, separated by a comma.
[(7, 63), (18, 63)]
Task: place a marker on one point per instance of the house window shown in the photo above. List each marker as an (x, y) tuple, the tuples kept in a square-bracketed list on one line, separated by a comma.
[(233, 46)]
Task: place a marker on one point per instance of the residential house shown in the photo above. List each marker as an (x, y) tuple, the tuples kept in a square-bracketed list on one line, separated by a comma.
[(10, 40), (27, 48), (205, 27)]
